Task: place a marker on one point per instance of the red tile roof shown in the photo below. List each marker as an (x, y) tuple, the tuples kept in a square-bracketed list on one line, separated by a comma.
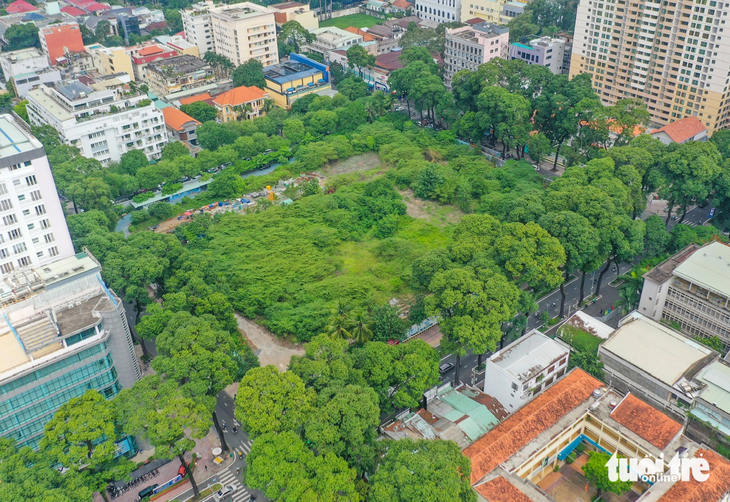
[(501, 490), (239, 96), (366, 37), (149, 50), (645, 421), (176, 119), (19, 7), (529, 422), (711, 490), (389, 61), (194, 99), (73, 11), (683, 129), (474, 20), (96, 7), (401, 4)]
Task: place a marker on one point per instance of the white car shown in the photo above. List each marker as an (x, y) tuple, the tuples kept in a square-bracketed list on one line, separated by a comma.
[(224, 492)]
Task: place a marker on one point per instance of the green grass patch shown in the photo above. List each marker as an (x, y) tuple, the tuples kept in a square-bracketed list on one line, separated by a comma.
[(580, 339), (356, 20)]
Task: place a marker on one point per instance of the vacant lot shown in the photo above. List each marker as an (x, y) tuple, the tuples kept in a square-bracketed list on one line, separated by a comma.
[(363, 162), (356, 20)]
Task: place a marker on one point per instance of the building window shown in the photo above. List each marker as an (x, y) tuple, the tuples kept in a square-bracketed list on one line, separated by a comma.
[(53, 251), (49, 238), (39, 210), (6, 204), (19, 248), (45, 224), (10, 219), (14, 234), (7, 267), (24, 261), (30, 180), (35, 195)]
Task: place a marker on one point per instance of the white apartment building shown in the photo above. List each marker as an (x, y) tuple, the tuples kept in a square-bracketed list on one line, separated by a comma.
[(198, 26), (332, 38), (519, 372), (468, 47), (22, 62), (103, 124), (439, 11), (691, 289), (33, 230), (674, 56), (245, 31)]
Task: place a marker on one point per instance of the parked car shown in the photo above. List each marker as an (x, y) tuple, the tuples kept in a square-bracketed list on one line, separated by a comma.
[(146, 492), (224, 492)]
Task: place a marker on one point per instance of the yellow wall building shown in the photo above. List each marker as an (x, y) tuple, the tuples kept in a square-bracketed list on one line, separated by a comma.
[(110, 60), (240, 103), (489, 10), (287, 82)]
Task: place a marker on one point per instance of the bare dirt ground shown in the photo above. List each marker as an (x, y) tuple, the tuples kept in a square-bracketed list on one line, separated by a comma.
[(362, 162), (167, 226), (272, 349), (436, 213)]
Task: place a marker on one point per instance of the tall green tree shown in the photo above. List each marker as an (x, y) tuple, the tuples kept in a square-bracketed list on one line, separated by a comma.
[(578, 238), (21, 36), (131, 161), (82, 436), (157, 410), (250, 74), (505, 116), (472, 306), (200, 111), (31, 476), (283, 468), (596, 472), (325, 363), (292, 37), (346, 425), (428, 471), (270, 401)]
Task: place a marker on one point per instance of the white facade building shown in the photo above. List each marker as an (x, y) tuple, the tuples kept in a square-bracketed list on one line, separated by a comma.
[(516, 374), (245, 31), (469, 47), (33, 231), (103, 124), (198, 26), (23, 61), (439, 11)]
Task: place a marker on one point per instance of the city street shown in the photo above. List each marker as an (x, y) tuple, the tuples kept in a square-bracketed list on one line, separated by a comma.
[(240, 445)]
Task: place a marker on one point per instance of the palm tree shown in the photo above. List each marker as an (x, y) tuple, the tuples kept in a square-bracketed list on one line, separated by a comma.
[(338, 326), (629, 299), (361, 330)]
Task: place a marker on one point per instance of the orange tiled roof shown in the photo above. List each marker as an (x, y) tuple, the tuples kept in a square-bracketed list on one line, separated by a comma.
[(401, 4), (501, 490), (175, 118), (645, 421), (194, 99), (528, 422), (712, 490), (148, 51), (366, 37), (683, 129), (240, 95)]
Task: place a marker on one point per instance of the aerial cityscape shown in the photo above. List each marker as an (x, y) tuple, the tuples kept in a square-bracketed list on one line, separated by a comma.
[(364, 251)]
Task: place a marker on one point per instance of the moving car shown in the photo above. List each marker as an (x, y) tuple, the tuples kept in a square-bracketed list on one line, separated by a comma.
[(224, 492), (446, 367)]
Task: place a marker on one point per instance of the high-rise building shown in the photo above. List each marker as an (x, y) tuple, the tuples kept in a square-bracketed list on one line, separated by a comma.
[(103, 122), (63, 333), (487, 10), (470, 46), (691, 290), (674, 56), (57, 40), (239, 32), (245, 31), (198, 27), (34, 231)]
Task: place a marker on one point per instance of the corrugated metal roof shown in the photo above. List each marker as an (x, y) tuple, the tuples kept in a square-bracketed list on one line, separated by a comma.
[(528, 355), (656, 349), (708, 267), (717, 378)]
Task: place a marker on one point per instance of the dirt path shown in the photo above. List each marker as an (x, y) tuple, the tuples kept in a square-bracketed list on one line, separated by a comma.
[(271, 349), (438, 214)]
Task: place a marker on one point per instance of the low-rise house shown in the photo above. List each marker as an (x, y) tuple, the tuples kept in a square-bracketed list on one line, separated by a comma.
[(181, 126), (656, 363), (144, 56), (111, 60), (286, 82), (22, 61), (681, 131), (330, 39), (179, 73), (521, 370), (240, 103), (553, 53)]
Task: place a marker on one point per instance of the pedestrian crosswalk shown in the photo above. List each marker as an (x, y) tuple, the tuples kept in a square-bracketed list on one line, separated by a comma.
[(228, 478), (243, 450)]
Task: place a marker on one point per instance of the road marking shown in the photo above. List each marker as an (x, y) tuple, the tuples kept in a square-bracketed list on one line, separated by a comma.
[(244, 449)]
